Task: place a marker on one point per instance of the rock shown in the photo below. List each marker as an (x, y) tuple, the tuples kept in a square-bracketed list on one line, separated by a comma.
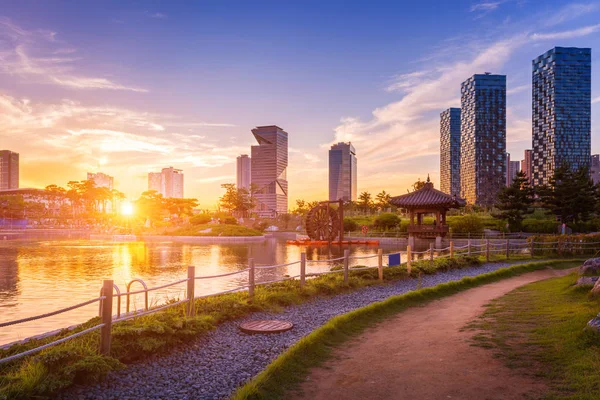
[(590, 267), (594, 324), (587, 281), (596, 289)]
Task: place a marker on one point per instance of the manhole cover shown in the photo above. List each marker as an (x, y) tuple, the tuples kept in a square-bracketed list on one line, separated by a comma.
[(266, 326)]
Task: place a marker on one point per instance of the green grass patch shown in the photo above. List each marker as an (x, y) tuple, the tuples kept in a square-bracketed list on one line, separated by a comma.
[(539, 328), (291, 368), (215, 230)]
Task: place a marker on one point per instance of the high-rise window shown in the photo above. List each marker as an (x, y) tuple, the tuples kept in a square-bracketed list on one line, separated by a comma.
[(342, 172)]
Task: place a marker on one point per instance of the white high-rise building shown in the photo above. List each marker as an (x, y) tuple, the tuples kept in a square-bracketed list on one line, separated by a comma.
[(342, 172), (101, 180), (243, 172), (168, 182)]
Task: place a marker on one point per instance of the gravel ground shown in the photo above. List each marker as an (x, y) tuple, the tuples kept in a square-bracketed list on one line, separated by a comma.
[(215, 365)]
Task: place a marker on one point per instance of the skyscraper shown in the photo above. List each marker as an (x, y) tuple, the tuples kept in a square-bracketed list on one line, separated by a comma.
[(269, 162), (513, 168), (168, 182), (342, 172), (595, 168), (101, 180), (526, 164), (562, 99), (9, 170), (483, 138), (243, 173), (450, 151)]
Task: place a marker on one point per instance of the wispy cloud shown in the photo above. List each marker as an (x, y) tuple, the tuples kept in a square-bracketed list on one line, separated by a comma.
[(570, 34), (39, 57), (518, 89), (596, 100), (156, 15), (485, 6), (572, 11)]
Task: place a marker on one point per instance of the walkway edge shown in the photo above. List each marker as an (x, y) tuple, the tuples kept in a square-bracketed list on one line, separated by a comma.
[(292, 367)]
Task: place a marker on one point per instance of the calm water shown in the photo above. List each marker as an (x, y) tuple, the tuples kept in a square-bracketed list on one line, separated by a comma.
[(38, 276)]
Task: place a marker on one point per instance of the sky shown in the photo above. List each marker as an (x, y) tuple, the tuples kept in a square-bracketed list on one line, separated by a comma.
[(128, 88)]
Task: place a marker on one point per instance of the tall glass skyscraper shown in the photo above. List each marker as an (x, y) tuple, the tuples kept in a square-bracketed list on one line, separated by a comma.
[(269, 162), (562, 102), (243, 169), (450, 151), (342, 172), (483, 138)]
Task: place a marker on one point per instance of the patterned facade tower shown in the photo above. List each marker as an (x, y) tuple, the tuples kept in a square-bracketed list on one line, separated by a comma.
[(450, 151), (342, 172), (561, 107), (269, 162), (526, 164), (483, 138)]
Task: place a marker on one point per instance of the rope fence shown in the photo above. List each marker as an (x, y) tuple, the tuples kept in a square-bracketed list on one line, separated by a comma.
[(106, 294)]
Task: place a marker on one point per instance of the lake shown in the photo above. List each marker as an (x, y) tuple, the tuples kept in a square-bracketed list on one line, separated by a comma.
[(39, 276)]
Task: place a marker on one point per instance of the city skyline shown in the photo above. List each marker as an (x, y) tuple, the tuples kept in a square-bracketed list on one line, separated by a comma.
[(343, 170), (95, 101)]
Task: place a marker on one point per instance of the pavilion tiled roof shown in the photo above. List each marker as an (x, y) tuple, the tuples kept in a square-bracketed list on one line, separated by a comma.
[(425, 197)]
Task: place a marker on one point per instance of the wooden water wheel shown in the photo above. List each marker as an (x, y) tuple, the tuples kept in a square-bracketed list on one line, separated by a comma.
[(323, 223)]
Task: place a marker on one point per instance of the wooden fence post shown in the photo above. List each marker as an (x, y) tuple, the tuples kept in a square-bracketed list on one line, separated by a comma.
[(469, 247), (487, 249), (507, 249), (302, 269), (106, 316), (346, 262), (408, 258), (451, 249), (190, 290), (431, 252), (531, 248), (380, 263), (251, 279)]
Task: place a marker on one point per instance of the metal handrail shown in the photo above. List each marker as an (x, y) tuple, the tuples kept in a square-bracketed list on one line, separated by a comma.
[(145, 292), (134, 315), (62, 310)]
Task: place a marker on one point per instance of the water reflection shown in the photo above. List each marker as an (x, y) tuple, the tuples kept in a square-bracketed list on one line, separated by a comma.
[(41, 276)]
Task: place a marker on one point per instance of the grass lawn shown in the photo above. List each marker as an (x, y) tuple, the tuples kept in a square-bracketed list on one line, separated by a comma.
[(216, 230), (539, 328)]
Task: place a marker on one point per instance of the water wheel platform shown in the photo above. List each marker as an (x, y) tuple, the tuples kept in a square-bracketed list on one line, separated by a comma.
[(336, 242), (265, 326)]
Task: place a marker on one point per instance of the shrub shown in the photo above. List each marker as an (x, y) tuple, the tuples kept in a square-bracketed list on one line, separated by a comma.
[(350, 225), (531, 225), (387, 221), (229, 220), (470, 223), (200, 219)]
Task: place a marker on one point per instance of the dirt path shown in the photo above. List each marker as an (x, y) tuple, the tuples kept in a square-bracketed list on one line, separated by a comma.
[(421, 354)]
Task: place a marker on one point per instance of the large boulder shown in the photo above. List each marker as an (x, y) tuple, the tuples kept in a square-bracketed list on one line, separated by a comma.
[(587, 281), (594, 324), (590, 267)]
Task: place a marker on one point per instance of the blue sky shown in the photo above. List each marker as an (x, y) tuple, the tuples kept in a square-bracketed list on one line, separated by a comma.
[(130, 87)]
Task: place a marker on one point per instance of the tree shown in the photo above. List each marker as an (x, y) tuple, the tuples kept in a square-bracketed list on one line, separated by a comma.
[(387, 221), (365, 202), (229, 200), (150, 206), (383, 199), (514, 201), (570, 196)]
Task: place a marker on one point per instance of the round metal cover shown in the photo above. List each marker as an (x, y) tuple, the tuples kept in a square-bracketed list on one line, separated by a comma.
[(266, 326)]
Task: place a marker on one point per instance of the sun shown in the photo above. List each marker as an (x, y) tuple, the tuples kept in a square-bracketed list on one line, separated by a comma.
[(126, 208)]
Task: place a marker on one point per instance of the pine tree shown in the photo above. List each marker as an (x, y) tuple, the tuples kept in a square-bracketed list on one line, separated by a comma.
[(514, 201)]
